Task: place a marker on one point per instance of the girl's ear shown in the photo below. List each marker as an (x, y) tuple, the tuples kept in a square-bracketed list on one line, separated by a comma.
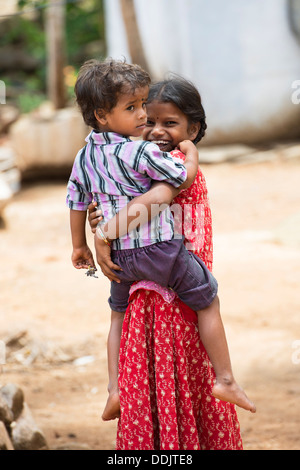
[(100, 117), (194, 128)]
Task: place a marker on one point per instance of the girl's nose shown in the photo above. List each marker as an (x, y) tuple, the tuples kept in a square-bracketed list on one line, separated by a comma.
[(157, 130)]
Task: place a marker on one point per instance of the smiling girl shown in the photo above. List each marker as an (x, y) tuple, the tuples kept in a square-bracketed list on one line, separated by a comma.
[(175, 113)]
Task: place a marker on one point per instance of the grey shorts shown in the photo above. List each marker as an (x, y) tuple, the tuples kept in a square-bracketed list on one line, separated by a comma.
[(169, 264)]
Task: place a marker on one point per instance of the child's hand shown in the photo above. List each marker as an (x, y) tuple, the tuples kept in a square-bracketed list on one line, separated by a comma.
[(82, 258), (94, 216), (103, 253), (186, 145)]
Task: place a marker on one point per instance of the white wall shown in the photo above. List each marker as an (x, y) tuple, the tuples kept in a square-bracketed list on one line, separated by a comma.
[(241, 54)]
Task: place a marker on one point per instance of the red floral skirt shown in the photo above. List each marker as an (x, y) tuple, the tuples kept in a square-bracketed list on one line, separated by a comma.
[(165, 381)]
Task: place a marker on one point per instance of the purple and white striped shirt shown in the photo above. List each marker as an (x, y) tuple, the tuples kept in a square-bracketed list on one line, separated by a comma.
[(113, 169)]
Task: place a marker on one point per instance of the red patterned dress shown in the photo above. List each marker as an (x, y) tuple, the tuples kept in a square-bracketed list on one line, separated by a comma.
[(165, 376)]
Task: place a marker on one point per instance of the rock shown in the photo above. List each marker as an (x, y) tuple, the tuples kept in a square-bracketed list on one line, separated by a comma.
[(25, 434), (48, 140), (6, 415), (5, 442), (16, 339), (18, 429), (9, 115), (14, 397)]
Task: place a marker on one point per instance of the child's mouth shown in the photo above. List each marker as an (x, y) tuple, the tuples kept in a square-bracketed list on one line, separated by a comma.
[(164, 145)]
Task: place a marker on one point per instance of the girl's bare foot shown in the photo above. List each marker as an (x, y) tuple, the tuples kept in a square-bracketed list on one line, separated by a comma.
[(112, 407), (230, 391)]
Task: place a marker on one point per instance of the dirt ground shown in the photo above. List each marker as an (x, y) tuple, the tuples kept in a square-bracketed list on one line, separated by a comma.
[(56, 319)]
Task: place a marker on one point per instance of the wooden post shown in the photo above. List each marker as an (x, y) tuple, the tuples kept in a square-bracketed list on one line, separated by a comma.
[(133, 34), (55, 32)]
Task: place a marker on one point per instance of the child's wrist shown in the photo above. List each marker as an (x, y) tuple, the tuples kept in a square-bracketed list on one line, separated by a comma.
[(79, 247), (100, 234)]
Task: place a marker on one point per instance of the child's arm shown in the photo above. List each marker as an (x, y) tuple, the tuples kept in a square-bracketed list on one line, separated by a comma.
[(82, 256), (138, 211), (145, 207)]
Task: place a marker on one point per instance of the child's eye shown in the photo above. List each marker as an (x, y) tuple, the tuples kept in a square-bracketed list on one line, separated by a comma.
[(130, 108), (171, 123), (150, 123)]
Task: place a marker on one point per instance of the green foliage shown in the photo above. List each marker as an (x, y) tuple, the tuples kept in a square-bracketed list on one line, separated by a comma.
[(27, 102), (84, 25), (27, 34), (85, 38)]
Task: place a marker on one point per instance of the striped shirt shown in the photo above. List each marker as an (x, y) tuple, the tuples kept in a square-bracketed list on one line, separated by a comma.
[(113, 169)]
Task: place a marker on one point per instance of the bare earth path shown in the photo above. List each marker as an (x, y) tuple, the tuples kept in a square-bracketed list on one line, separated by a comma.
[(58, 319)]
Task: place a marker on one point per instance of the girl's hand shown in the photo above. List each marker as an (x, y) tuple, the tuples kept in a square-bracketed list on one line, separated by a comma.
[(94, 216), (186, 145), (82, 258), (103, 254)]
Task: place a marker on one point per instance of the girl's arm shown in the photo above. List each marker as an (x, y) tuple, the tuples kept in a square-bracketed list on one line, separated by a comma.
[(82, 257), (191, 162)]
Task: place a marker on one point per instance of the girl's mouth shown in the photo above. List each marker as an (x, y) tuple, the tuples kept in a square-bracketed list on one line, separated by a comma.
[(164, 145)]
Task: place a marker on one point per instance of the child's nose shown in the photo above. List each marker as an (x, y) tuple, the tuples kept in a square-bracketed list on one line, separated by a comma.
[(157, 130), (142, 114)]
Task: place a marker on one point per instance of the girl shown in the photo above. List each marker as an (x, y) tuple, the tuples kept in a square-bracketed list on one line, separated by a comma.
[(173, 109)]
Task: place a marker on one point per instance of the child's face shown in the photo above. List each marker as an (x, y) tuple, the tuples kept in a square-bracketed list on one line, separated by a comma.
[(129, 116), (167, 125)]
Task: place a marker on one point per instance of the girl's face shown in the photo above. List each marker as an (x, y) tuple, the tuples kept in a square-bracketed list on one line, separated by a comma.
[(167, 125)]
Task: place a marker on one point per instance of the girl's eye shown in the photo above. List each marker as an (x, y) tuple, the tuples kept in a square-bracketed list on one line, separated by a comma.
[(150, 123), (171, 123), (130, 108)]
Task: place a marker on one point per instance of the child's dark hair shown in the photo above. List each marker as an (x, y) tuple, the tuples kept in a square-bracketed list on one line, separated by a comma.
[(185, 96), (99, 85)]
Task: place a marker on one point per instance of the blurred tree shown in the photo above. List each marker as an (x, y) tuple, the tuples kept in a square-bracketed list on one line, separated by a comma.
[(56, 56)]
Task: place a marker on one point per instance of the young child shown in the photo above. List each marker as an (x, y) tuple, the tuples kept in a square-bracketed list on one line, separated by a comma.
[(114, 169)]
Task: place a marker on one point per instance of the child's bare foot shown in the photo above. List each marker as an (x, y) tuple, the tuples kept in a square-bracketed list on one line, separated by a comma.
[(230, 391), (112, 407)]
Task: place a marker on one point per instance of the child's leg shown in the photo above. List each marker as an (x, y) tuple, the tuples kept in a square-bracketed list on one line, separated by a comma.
[(112, 407), (214, 340)]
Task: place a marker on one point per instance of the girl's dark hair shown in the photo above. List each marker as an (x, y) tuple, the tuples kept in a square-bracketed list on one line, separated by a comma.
[(99, 85), (185, 96)]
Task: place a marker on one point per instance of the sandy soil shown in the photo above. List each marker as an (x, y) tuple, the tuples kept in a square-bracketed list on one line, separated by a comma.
[(55, 315)]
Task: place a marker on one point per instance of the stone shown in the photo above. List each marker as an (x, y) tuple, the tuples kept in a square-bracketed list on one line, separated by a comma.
[(14, 397), (5, 442), (6, 415), (25, 434), (9, 115)]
